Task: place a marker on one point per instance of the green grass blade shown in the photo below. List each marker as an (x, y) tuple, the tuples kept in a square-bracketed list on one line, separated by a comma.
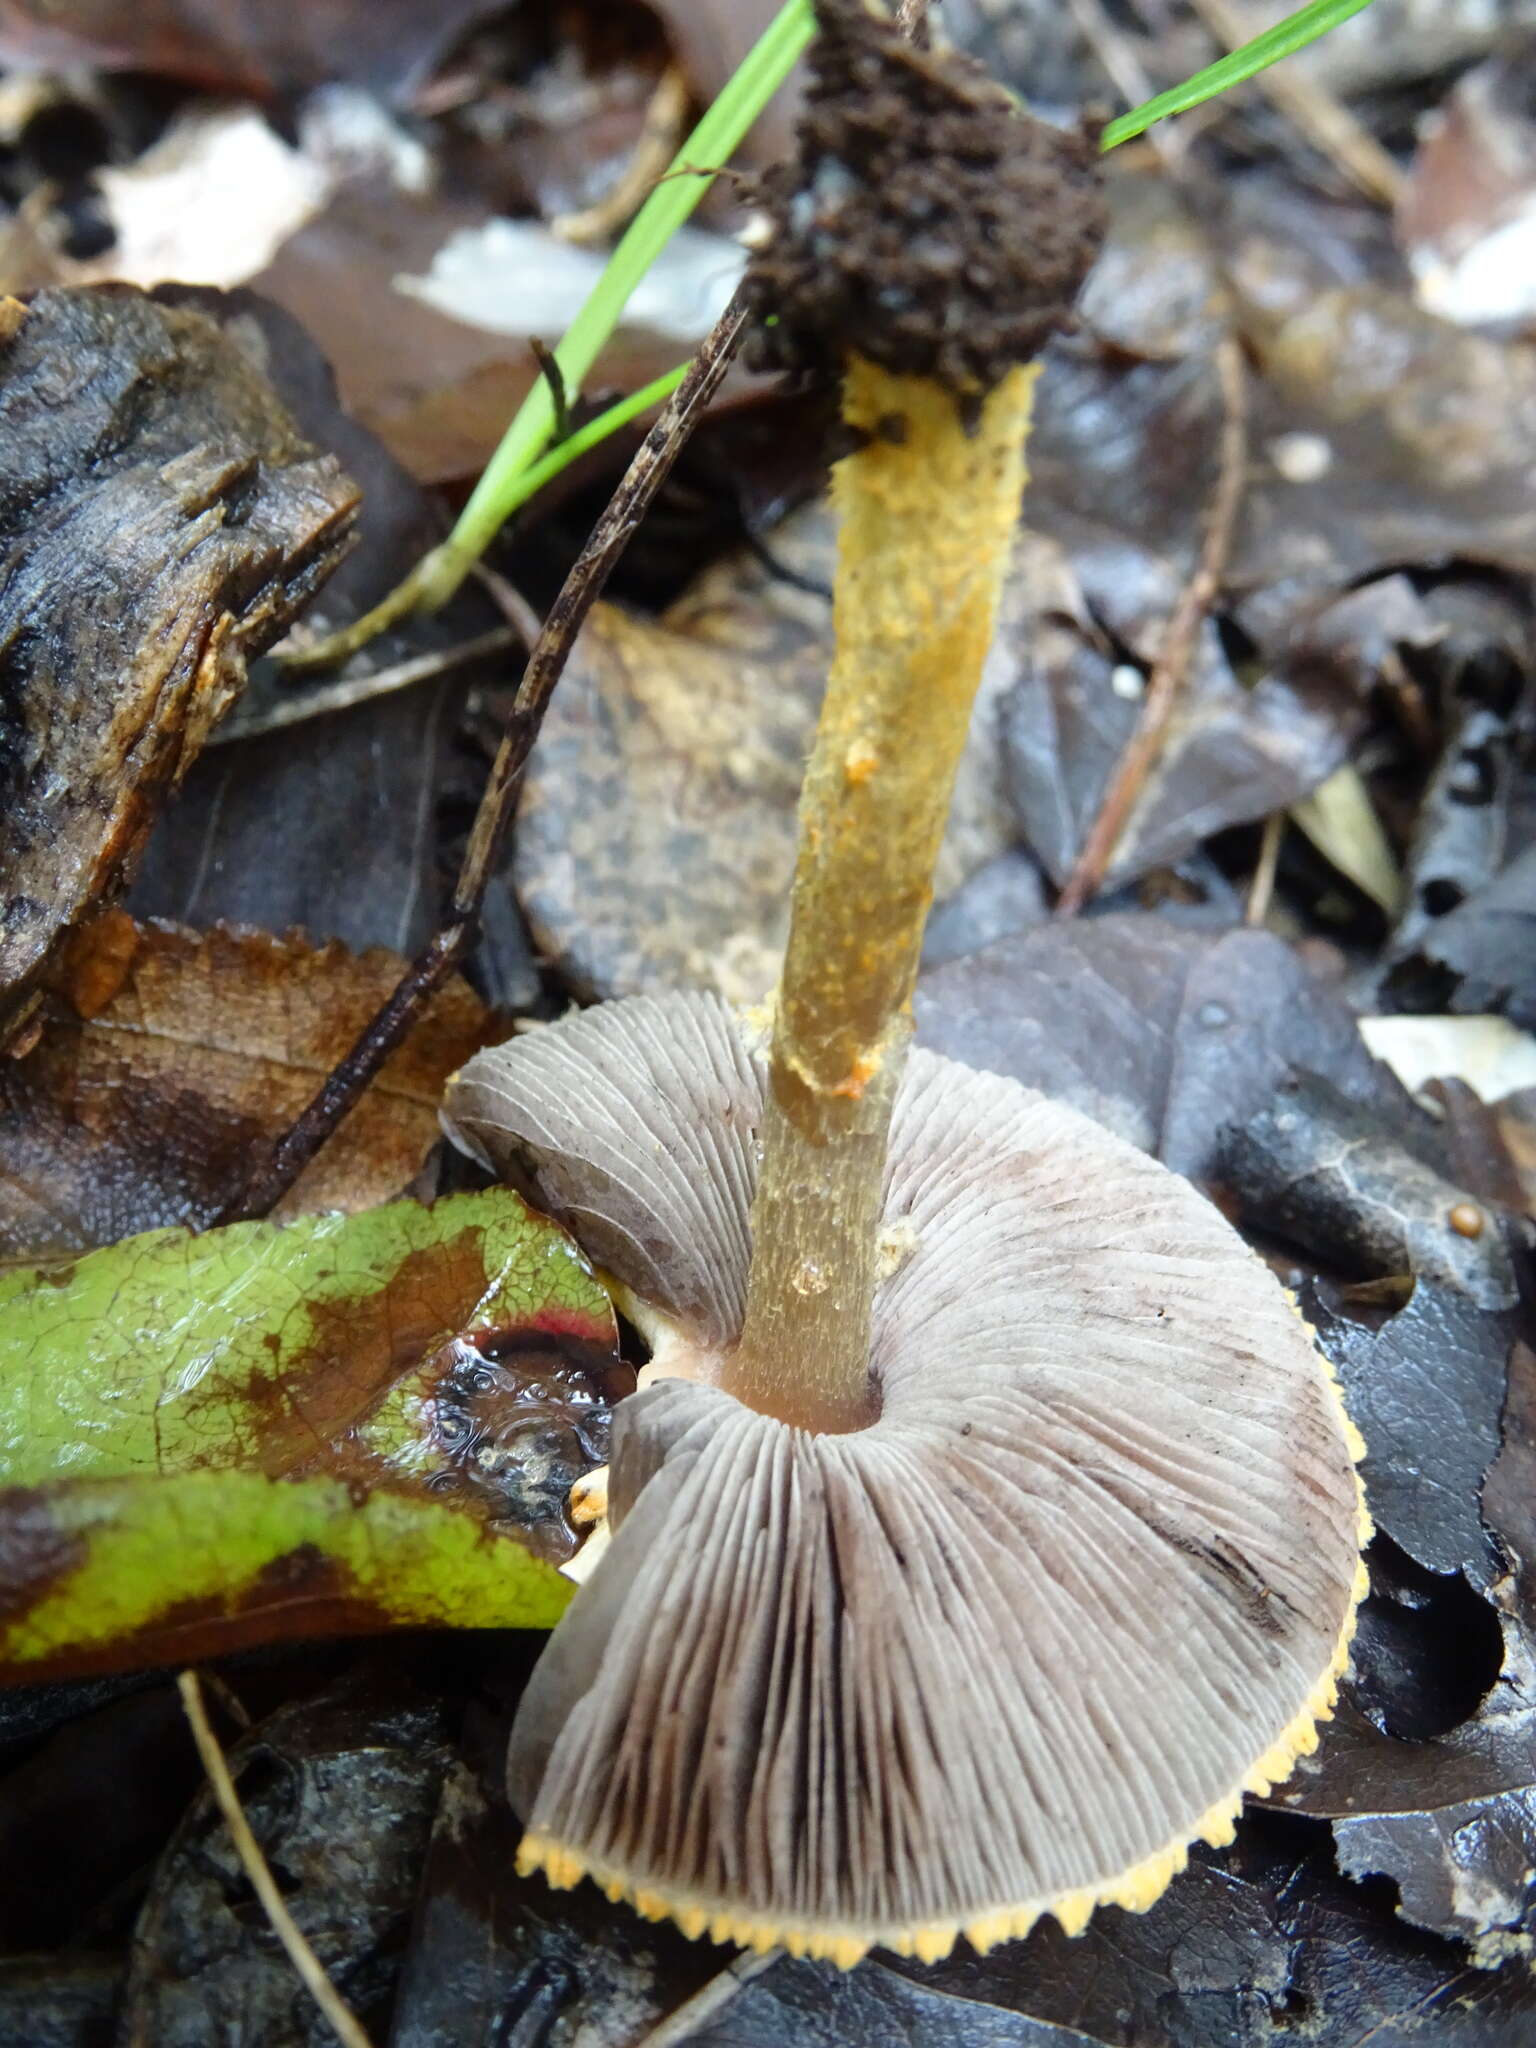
[(756, 79), (533, 479), (516, 471), (1283, 40)]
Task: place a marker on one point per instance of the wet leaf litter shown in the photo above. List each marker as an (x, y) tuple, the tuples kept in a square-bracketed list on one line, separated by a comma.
[(1372, 619)]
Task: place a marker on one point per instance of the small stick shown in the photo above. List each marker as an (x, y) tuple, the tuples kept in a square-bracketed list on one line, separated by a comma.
[(681, 2026), (1116, 53), (660, 137), (511, 603), (344, 1086), (306, 1963), (1409, 707), (1178, 643), (1327, 124), (1262, 887), (342, 695)]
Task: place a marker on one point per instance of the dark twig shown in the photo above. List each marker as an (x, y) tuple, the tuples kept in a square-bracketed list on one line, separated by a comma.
[(646, 473), (588, 576), (1178, 645), (554, 377)]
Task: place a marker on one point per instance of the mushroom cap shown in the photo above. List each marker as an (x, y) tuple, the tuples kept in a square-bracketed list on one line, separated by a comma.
[(1089, 1577)]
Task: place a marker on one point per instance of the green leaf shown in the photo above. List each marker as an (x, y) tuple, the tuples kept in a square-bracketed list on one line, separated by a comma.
[(209, 1441), (1283, 40)]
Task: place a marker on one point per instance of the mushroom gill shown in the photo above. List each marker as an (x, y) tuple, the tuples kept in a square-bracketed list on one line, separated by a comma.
[(1088, 1577)]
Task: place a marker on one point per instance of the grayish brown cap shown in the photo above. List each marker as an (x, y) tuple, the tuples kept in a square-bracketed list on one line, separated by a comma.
[(1089, 1577)]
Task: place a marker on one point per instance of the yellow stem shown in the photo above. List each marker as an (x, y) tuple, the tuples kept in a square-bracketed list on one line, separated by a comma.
[(928, 504)]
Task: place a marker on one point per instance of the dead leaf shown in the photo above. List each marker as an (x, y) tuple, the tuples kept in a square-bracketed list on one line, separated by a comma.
[(1450, 1821), (1326, 1173), (1473, 663), (1002, 898), (1341, 822), (1480, 956), (1373, 383), (171, 1057), (208, 203), (711, 37), (1467, 222), (1488, 1053), (542, 113), (436, 387), (340, 1791), (490, 1948), (1355, 470), (1233, 752), (225, 46), (1252, 1956), (165, 521), (1426, 1387), (126, 1762), (1509, 1491), (1162, 1033), (656, 839)]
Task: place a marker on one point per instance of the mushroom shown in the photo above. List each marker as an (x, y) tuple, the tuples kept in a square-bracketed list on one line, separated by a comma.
[(990, 1524), (1088, 1577)]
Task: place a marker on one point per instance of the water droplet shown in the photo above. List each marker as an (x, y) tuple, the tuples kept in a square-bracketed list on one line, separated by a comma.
[(1211, 1016), (809, 1278)]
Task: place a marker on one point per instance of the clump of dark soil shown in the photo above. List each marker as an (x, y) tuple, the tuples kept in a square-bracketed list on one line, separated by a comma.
[(929, 223)]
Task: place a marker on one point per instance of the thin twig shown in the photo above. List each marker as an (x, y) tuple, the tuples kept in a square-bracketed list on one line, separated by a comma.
[(712, 1998), (1178, 644), (344, 1086), (1408, 704), (511, 603), (1116, 53), (661, 133), (1326, 123), (588, 575), (1262, 887), (298, 705), (306, 1963)]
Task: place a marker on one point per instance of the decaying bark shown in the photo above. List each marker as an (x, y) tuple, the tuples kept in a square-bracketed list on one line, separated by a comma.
[(161, 521)]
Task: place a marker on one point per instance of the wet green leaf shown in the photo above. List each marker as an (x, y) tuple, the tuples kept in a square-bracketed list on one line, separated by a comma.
[(348, 1423)]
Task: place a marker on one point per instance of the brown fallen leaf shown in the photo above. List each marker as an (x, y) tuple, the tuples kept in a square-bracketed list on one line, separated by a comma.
[(1467, 223), (233, 48), (657, 833), (170, 1055), (710, 38), (162, 520), (1390, 437), (436, 387)]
